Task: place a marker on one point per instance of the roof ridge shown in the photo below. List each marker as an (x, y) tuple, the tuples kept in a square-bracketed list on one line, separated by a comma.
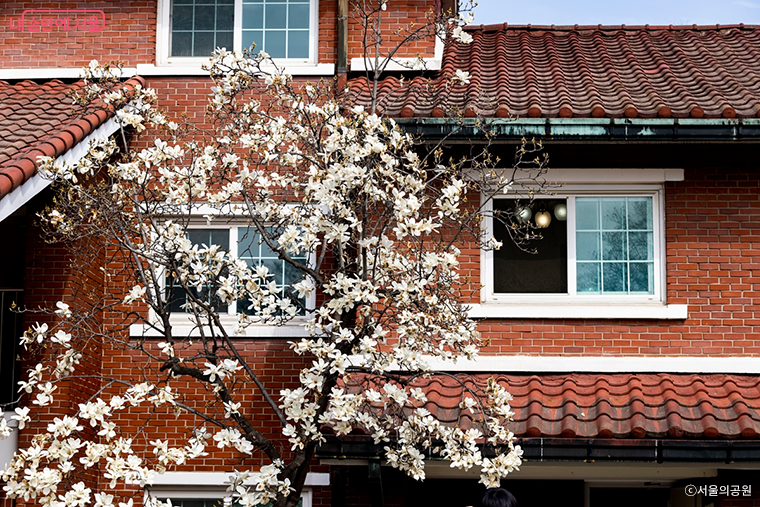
[(608, 28)]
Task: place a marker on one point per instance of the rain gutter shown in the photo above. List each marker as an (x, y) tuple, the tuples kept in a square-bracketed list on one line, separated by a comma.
[(664, 450), (587, 129)]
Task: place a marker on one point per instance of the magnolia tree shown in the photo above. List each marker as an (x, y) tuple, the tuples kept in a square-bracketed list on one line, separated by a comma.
[(363, 223)]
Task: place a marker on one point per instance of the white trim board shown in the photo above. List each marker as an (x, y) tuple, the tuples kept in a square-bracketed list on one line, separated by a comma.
[(37, 183), (569, 310), (182, 327), (149, 69), (613, 176), (602, 364), (220, 479)]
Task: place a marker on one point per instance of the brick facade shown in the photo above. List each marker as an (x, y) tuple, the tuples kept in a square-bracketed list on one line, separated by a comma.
[(711, 230)]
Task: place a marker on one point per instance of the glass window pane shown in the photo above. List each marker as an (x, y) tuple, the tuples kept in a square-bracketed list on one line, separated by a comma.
[(298, 16), (255, 252), (205, 17), (201, 237), (275, 267), (587, 213), (182, 44), (224, 40), (225, 17), (613, 246), (640, 246), (253, 16), (640, 213), (251, 37), (615, 276), (276, 16), (292, 274), (588, 277), (248, 244), (613, 214), (587, 246), (274, 43), (627, 235), (210, 237), (182, 18), (204, 44), (542, 269), (298, 44), (642, 277)]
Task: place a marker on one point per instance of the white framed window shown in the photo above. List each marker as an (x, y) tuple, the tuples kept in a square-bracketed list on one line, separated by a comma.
[(200, 497), (189, 30), (245, 243), (605, 260), (599, 244), (208, 489)]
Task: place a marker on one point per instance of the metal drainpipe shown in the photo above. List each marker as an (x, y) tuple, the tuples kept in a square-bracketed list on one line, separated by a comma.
[(341, 64)]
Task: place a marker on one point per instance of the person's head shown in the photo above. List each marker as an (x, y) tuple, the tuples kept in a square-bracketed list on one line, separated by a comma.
[(497, 497)]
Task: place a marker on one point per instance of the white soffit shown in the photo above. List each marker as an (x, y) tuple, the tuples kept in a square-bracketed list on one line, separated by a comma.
[(602, 364), (612, 176), (37, 183)]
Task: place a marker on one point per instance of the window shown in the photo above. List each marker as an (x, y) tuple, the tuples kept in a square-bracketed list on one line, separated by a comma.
[(286, 29), (208, 489), (218, 501), (245, 243), (209, 502), (593, 246)]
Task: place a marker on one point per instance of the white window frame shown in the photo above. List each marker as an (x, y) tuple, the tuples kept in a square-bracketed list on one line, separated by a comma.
[(163, 38), (488, 294), (578, 182), (206, 493), (181, 321), (213, 485)]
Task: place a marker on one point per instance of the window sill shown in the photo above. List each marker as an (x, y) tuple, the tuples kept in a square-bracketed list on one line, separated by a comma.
[(578, 311), (181, 327), (194, 69)]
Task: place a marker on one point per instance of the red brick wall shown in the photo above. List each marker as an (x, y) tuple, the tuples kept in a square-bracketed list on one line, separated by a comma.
[(400, 19), (129, 34), (49, 278)]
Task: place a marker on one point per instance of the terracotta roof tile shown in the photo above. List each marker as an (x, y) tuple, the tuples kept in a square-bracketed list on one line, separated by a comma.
[(610, 405), (36, 119), (587, 71)]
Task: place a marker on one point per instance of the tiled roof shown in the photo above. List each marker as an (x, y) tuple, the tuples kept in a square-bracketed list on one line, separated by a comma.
[(587, 71), (35, 120), (708, 406)]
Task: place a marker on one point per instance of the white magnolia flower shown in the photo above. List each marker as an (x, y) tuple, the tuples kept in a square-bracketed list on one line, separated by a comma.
[(63, 310), (462, 76), (136, 294), (460, 35)]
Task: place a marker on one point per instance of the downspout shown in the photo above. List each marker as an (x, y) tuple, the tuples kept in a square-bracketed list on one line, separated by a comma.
[(341, 64)]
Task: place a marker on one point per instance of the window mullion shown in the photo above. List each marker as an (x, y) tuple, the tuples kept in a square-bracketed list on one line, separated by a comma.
[(237, 35), (572, 276), (232, 307), (658, 245)]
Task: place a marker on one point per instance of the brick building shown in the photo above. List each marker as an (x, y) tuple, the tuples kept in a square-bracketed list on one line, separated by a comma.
[(630, 341)]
